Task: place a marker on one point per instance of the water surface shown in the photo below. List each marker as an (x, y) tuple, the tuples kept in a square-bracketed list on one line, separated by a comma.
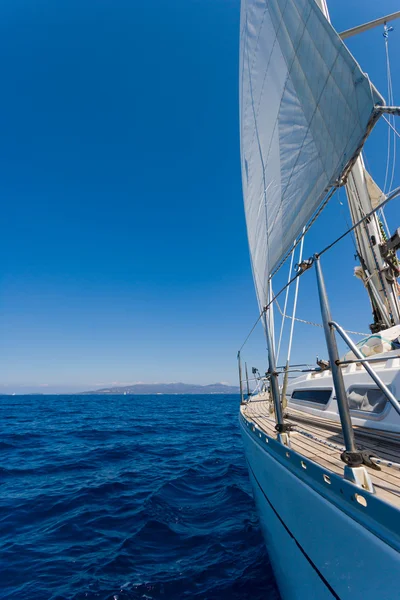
[(126, 497)]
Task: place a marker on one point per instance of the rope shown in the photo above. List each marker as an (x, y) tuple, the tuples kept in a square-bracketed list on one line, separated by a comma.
[(387, 463), (314, 437), (374, 459), (316, 324)]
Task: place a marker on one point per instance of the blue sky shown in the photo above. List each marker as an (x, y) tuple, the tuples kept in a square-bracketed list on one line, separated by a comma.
[(123, 250)]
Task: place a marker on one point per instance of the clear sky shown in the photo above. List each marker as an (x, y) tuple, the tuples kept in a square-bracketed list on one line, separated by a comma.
[(123, 246)]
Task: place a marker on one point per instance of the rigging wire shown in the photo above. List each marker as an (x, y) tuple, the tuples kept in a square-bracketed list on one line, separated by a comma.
[(300, 272), (296, 293), (389, 133), (264, 310), (251, 330), (391, 126), (385, 223), (395, 132), (285, 306), (391, 146), (344, 214), (316, 324), (390, 98), (305, 230), (391, 196)]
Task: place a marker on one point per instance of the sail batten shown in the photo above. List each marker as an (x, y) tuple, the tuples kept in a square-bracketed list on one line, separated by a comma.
[(305, 107)]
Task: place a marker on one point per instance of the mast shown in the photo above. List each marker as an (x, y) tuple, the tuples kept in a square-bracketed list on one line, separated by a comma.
[(378, 276), (376, 272)]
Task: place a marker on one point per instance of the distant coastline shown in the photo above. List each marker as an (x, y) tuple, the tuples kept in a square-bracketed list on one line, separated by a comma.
[(141, 389)]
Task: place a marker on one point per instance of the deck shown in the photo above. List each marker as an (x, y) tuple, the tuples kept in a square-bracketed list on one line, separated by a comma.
[(321, 441)]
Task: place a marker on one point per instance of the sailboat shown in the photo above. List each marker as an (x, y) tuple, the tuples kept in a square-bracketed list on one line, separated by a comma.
[(323, 445)]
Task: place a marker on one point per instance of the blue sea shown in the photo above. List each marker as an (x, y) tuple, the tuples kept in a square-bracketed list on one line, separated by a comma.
[(127, 497)]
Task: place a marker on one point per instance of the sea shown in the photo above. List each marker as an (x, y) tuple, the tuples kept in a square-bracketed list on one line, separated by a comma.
[(127, 497)]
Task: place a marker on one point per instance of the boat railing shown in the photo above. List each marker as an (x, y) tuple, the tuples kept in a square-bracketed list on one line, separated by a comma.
[(353, 458), (368, 359), (365, 363)]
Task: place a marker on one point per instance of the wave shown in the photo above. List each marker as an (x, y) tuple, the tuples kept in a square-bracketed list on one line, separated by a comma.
[(97, 503)]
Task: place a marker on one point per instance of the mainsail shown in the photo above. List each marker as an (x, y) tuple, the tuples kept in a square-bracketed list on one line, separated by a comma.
[(305, 110)]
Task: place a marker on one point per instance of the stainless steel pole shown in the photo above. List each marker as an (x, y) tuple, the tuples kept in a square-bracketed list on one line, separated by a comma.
[(247, 380), (364, 361), (365, 26), (337, 374), (273, 377), (240, 377)]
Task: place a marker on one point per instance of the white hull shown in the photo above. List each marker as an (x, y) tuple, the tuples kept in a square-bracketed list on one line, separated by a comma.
[(322, 544)]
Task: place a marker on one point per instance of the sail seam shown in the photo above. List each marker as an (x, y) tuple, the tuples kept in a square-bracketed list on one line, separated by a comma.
[(317, 101), (306, 110), (256, 135), (256, 113), (307, 228), (289, 68)]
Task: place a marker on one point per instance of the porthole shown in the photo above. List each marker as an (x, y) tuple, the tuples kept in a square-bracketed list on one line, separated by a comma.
[(360, 499)]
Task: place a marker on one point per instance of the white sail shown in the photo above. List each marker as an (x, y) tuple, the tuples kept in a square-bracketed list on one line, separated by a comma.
[(305, 109)]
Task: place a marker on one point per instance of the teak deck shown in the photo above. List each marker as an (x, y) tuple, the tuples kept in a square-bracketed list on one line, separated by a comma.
[(382, 445)]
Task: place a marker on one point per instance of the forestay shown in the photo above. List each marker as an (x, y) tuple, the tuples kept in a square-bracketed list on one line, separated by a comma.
[(305, 107)]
